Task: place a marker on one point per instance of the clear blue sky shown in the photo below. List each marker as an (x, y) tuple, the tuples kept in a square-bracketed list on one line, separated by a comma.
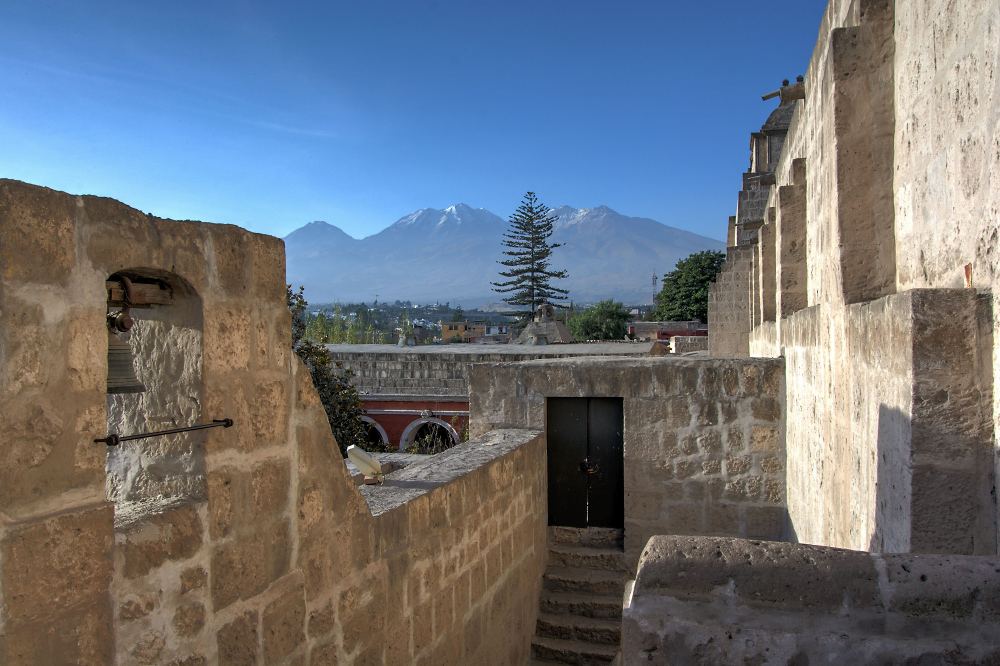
[(270, 115)]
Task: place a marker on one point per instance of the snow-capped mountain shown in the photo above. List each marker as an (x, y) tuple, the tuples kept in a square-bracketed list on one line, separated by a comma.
[(458, 219), (452, 254)]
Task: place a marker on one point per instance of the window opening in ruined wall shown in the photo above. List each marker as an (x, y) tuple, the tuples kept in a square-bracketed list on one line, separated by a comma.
[(165, 340)]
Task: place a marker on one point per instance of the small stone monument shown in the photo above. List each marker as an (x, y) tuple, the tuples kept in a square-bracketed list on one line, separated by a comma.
[(545, 329)]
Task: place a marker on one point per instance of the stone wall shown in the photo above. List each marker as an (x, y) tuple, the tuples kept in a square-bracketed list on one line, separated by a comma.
[(703, 452), (272, 554), (904, 412), (729, 305), (891, 413), (444, 370), (447, 570), (729, 601), (682, 344), (947, 152)]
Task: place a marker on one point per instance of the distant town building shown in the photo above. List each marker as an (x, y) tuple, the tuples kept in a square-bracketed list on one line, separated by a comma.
[(664, 330)]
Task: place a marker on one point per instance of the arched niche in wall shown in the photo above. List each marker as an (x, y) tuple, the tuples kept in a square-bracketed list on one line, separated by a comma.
[(424, 426), (376, 433), (166, 344)]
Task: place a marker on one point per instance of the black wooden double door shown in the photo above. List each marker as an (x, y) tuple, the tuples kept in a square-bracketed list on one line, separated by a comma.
[(586, 462)]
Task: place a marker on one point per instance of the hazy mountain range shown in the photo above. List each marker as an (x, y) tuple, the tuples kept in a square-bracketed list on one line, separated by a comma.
[(451, 255)]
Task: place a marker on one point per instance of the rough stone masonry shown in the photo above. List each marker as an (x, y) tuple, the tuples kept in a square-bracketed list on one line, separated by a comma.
[(242, 545)]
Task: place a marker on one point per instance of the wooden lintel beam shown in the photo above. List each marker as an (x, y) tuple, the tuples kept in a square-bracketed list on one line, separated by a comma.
[(144, 295)]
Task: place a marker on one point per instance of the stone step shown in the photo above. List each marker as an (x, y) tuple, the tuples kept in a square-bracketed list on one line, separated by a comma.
[(570, 627), (607, 606), (569, 555), (572, 652), (597, 537), (593, 581), (617, 661)]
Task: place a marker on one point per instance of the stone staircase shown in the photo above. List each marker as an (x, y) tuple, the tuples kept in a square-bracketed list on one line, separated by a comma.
[(580, 610)]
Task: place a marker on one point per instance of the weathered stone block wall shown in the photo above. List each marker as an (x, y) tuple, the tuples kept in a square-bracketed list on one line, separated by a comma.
[(863, 423), (730, 601), (448, 569), (682, 344), (947, 101), (903, 414), (764, 341), (835, 240), (765, 261), (703, 437), (415, 373), (729, 305), (861, 88), (790, 226), (947, 150), (279, 557), (436, 372)]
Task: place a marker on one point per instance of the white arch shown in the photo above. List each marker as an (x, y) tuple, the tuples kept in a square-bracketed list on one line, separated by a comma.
[(411, 431), (381, 430)]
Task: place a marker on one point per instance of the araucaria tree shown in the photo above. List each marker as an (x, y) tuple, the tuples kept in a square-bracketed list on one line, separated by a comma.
[(528, 251)]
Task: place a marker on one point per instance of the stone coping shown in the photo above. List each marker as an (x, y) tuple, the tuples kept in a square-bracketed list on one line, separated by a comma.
[(466, 349), (391, 462), (692, 359), (434, 471), (791, 577), (412, 397)]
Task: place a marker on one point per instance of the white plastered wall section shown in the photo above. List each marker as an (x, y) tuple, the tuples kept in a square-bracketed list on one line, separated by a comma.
[(166, 342)]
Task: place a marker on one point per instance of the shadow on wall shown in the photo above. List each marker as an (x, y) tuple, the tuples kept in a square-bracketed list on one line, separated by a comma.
[(791, 536), (891, 533), (935, 485)]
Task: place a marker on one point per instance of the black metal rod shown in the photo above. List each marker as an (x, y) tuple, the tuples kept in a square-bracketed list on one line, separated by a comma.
[(115, 440)]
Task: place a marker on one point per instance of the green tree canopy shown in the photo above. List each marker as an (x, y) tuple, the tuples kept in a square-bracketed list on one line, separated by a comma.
[(684, 295), (458, 314), (339, 397), (529, 280), (608, 320)]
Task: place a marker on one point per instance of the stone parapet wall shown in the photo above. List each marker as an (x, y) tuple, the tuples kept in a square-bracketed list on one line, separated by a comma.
[(682, 344), (764, 341), (891, 405), (732, 601), (441, 371), (274, 555), (703, 437), (900, 391), (448, 569)]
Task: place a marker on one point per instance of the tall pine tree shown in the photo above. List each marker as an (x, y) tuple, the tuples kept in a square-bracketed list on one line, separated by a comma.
[(528, 251)]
